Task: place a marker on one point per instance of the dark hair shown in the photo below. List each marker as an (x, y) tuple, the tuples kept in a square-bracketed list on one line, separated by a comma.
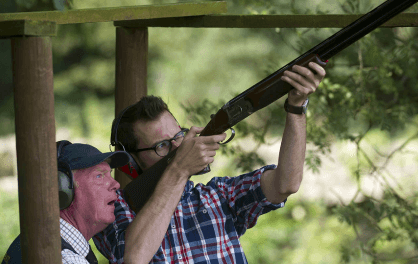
[(149, 108)]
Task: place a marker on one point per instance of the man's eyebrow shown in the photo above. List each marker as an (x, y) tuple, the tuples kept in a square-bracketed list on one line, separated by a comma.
[(102, 171)]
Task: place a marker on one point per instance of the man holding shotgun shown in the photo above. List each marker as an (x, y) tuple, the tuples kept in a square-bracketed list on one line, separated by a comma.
[(183, 223), (209, 219)]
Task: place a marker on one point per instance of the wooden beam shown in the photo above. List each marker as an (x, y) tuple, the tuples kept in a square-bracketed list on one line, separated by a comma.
[(266, 21), (121, 13), (27, 28), (131, 73), (36, 150)]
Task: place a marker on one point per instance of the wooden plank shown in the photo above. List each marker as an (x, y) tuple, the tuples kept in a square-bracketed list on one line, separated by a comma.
[(27, 28), (131, 74), (121, 13), (36, 150), (267, 21)]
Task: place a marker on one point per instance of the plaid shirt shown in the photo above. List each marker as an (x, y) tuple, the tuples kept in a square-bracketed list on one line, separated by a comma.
[(205, 226)]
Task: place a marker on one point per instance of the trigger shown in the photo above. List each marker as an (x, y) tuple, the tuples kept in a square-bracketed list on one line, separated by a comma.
[(230, 138)]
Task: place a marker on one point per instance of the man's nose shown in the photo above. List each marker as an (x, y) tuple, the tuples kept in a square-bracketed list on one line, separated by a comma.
[(114, 185)]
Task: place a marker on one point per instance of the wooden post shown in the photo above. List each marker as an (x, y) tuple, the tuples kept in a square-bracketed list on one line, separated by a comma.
[(131, 73), (36, 150)]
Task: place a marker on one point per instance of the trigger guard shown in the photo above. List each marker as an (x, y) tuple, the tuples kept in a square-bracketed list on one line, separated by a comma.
[(230, 138), (320, 62)]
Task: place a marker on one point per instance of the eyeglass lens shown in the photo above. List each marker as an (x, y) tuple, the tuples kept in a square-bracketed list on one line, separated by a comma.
[(164, 147)]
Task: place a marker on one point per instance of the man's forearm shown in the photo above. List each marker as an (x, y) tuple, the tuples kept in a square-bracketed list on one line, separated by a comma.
[(145, 234), (289, 171)]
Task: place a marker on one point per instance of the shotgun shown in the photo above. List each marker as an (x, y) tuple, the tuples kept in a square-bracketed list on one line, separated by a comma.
[(266, 92)]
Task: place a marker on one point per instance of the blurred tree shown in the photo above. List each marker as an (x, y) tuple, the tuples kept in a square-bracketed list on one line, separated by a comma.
[(6, 82), (6, 96)]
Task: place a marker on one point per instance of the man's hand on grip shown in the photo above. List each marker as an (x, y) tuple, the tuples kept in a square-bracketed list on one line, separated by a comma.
[(195, 153)]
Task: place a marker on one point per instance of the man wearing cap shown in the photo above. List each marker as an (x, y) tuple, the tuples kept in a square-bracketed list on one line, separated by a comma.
[(91, 206)]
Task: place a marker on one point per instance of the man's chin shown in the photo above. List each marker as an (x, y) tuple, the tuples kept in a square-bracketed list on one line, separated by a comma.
[(110, 219)]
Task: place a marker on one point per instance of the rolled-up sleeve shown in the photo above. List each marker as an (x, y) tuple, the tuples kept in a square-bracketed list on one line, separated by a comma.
[(111, 241), (245, 198)]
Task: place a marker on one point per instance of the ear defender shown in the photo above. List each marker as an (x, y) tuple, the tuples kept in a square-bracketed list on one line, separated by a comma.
[(131, 169), (65, 178), (65, 185)]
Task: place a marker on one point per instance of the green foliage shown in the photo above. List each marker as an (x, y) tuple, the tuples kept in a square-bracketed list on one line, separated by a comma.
[(301, 232), (392, 220)]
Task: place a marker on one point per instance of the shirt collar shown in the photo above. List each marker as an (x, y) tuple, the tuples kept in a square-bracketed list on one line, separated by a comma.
[(188, 187), (74, 237)]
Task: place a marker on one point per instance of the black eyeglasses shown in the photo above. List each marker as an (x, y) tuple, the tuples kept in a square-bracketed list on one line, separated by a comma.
[(164, 147)]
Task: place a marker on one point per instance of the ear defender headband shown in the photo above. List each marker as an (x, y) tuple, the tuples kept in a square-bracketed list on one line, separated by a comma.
[(65, 178)]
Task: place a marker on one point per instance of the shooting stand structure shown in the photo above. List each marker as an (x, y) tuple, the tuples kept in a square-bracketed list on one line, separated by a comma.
[(31, 33)]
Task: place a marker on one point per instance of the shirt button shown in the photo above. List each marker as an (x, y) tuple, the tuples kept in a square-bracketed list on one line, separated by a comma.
[(173, 226), (180, 257), (205, 211)]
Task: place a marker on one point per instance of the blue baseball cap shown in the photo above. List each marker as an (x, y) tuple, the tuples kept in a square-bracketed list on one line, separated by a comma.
[(81, 156)]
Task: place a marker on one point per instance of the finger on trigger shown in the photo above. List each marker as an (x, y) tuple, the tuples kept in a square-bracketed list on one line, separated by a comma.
[(224, 136), (210, 139), (220, 137)]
